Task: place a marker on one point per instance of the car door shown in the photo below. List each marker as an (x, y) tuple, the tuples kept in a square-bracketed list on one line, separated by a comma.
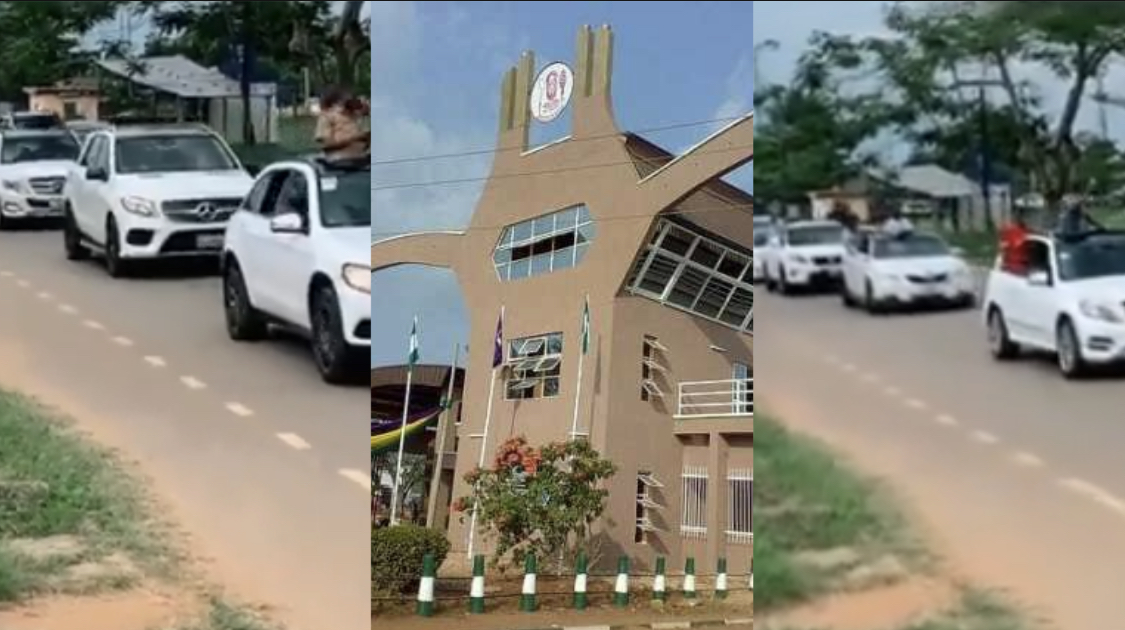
[(252, 242), (291, 254), (88, 210), (852, 267), (1039, 300), (774, 249)]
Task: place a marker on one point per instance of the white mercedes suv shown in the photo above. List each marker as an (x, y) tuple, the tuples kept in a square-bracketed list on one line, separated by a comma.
[(147, 192), (297, 255), (33, 170)]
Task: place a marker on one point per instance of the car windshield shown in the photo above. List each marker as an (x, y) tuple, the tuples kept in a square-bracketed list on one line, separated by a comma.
[(1095, 257), (35, 121), (816, 235), (61, 146), (912, 246), (345, 199), (173, 153)]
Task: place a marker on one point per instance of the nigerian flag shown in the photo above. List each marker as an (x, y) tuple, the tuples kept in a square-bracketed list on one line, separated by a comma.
[(586, 327), (412, 358)]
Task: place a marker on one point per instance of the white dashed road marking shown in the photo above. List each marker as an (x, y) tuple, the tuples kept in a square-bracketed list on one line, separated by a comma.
[(848, 367), (914, 403), (155, 361), (6, 274), (891, 391), (93, 325), (43, 295), (192, 383), (23, 284), (358, 476), (831, 358), (239, 409), (985, 438), (1094, 493), (123, 341), (68, 309), (295, 441), (1023, 458), (946, 420), (871, 377)]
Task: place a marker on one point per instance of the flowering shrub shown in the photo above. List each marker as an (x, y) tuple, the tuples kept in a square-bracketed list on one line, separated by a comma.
[(538, 500)]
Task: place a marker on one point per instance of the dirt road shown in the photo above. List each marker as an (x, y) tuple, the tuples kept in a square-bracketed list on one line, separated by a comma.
[(1017, 473), (265, 466)]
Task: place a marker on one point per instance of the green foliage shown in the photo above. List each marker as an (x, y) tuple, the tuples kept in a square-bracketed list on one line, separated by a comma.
[(539, 501), (396, 556)]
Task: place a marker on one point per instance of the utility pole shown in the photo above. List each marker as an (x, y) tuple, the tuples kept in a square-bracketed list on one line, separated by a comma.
[(985, 162)]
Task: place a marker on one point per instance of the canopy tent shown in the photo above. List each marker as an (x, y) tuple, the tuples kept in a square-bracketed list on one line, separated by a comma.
[(385, 434)]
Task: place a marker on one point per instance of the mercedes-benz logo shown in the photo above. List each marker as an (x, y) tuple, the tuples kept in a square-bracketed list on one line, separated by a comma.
[(206, 211)]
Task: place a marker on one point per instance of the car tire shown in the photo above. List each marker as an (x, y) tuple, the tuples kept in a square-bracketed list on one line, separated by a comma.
[(6, 224), (846, 296), (1068, 352), (244, 322), (72, 237), (771, 286), (782, 284), (336, 360), (869, 303), (1000, 344), (115, 265)]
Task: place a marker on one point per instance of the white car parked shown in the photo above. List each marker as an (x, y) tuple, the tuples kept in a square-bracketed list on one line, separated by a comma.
[(763, 227), (148, 192), (297, 255), (911, 269), (804, 254), (1069, 301), (33, 168)]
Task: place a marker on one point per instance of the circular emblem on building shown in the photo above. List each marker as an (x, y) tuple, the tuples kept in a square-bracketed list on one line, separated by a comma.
[(551, 91)]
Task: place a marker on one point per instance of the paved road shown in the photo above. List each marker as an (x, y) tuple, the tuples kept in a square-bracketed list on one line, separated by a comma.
[(266, 466), (1021, 474)]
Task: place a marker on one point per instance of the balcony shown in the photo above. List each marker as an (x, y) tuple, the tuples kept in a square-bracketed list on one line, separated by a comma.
[(731, 398)]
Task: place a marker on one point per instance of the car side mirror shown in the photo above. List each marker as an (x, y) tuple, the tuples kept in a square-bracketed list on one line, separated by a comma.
[(1039, 279), (97, 174), (288, 223)]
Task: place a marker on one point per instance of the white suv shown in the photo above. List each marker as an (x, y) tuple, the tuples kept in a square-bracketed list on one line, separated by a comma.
[(148, 192), (803, 254), (297, 255), (33, 168), (1069, 300)]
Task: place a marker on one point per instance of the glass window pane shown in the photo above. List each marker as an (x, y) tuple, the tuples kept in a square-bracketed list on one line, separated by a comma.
[(713, 297), (658, 274), (520, 269), (545, 225), (541, 264), (554, 343), (521, 232), (586, 233), (580, 252), (584, 214), (566, 218), (502, 256), (706, 254), (733, 265), (551, 386), (677, 241), (738, 307), (563, 258), (688, 287)]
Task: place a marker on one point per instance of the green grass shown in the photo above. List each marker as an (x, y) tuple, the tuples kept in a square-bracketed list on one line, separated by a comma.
[(807, 500), (80, 491), (225, 616)]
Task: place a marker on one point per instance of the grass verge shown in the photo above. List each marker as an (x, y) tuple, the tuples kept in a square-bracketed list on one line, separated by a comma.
[(225, 616), (65, 503)]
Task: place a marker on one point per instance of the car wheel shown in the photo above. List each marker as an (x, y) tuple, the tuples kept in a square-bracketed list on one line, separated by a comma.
[(72, 238), (782, 283), (244, 322), (115, 265), (999, 343), (335, 359), (869, 303), (1068, 352), (771, 286)]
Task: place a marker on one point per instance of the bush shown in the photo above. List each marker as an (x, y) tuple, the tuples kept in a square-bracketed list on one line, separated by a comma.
[(396, 556)]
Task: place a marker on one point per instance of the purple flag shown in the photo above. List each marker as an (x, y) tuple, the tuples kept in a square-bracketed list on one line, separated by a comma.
[(498, 344)]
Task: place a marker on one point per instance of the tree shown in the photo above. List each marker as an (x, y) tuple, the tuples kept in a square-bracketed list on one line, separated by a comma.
[(542, 501)]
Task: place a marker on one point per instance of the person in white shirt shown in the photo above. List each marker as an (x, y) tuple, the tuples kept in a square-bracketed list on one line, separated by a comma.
[(897, 224)]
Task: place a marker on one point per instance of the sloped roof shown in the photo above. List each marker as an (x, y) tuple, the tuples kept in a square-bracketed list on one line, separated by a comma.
[(928, 179), (178, 75)]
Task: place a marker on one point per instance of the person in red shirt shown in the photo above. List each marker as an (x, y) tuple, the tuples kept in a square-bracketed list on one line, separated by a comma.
[(1012, 237)]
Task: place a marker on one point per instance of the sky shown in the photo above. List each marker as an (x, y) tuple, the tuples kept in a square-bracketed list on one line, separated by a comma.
[(791, 23), (435, 90)]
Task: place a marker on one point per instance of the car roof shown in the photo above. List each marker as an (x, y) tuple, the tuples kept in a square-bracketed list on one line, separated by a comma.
[(34, 133), (137, 131)]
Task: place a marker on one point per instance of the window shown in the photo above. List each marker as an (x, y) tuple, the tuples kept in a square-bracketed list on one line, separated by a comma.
[(545, 244), (740, 499), (742, 390), (42, 146), (345, 199), (646, 482), (693, 520), (535, 364), (651, 367), (173, 153), (1038, 255), (686, 270), (70, 110)]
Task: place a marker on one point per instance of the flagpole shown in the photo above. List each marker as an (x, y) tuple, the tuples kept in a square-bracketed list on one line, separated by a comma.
[(581, 356), (402, 429), (443, 427), (484, 438)]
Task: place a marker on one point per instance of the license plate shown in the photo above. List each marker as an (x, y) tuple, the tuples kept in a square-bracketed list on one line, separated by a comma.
[(209, 241)]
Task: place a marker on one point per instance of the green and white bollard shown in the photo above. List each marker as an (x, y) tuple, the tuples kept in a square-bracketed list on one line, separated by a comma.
[(689, 579), (426, 586), (721, 580), (580, 600), (528, 601), (659, 585), (750, 577), (476, 590), (621, 586)]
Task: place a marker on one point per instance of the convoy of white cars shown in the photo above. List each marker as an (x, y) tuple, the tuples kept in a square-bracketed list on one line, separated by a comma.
[(1066, 297), (292, 242)]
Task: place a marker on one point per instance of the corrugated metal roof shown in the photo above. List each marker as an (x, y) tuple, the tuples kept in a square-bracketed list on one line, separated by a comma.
[(929, 179), (181, 76)]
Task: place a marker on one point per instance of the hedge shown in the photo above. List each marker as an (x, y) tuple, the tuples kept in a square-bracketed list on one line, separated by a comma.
[(396, 556)]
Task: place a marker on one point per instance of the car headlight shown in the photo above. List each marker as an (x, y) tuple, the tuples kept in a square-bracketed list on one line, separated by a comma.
[(797, 258), (1099, 311), (357, 277), (13, 185), (139, 206)]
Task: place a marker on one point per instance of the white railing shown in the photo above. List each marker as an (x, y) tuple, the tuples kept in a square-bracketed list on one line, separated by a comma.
[(730, 398)]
